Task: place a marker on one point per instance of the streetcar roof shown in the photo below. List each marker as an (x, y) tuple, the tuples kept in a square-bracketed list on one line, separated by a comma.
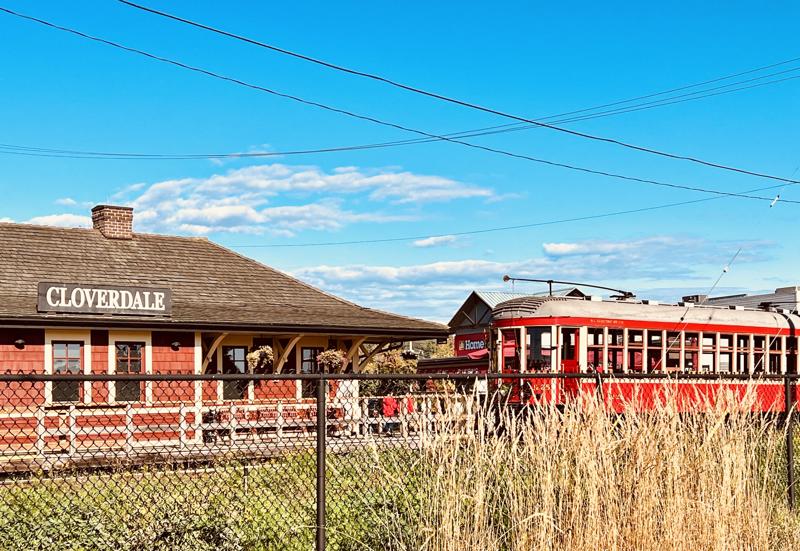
[(682, 313)]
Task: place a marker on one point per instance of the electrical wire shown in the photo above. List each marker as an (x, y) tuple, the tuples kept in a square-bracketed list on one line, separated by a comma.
[(394, 125), (31, 151), (489, 230), (452, 100)]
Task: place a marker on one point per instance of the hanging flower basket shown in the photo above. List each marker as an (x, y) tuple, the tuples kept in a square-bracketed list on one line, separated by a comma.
[(330, 361), (261, 359)]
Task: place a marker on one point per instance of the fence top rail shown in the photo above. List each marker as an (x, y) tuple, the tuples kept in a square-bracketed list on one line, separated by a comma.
[(174, 377)]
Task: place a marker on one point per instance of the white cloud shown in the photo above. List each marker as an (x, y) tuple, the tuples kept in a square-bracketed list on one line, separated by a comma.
[(434, 241), (65, 220), (436, 289), (605, 247), (282, 199)]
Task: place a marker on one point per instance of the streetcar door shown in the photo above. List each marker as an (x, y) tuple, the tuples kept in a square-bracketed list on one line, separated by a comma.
[(569, 358), (510, 349)]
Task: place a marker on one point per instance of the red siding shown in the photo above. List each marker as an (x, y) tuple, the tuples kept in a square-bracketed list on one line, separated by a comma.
[(29, 359), (169, 361)]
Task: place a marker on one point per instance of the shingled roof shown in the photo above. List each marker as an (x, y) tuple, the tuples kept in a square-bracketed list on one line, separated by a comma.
[(212, 287)]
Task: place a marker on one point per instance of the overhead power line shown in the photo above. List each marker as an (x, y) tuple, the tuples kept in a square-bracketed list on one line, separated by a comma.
[(391, 124), (449, 99), (15, 149), (492, 229)]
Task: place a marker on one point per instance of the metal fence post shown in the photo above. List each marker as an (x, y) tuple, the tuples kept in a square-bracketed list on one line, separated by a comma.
[(788, 404), (321, 443)]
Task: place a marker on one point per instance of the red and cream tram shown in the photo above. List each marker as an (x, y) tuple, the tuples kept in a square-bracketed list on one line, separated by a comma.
[(635, 338)]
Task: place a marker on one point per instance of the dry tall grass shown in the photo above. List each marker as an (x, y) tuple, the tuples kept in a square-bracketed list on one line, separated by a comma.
[(583, 478)]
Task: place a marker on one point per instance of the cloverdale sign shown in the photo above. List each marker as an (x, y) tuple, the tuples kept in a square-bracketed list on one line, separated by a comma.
[(76, 298)]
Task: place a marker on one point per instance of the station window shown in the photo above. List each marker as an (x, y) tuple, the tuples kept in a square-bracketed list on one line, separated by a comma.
[(539, 347), (67, 360), (308, 364), (594, 349), (129, 356), (234, 361)]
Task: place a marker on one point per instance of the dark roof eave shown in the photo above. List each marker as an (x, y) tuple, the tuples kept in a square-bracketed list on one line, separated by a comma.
[(406, 333)]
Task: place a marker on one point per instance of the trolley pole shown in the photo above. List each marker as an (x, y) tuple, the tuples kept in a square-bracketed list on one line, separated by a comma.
[(788, 403), (321, 459)]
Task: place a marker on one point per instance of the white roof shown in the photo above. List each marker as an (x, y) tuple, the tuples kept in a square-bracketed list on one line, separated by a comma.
[(493, 298)]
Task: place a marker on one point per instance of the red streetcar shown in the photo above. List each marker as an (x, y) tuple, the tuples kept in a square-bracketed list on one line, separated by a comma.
[(735, 348)]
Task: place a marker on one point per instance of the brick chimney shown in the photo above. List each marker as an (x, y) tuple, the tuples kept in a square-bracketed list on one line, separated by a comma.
[(113, 222)]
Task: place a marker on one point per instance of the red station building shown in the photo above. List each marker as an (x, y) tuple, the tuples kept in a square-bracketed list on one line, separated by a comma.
[(108, 300)]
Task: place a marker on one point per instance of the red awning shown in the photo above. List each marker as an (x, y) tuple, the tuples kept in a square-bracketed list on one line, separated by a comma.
[(479, 354)]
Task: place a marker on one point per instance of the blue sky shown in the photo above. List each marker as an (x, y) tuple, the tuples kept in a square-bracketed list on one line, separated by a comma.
[(59, 91)]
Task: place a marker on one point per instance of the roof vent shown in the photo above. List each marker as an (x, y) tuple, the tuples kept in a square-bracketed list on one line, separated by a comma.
[(113, 222), (697, 299)]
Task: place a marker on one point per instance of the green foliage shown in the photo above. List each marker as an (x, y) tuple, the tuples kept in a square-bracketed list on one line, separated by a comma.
[(388, 362), (430, 349), (268, 507)]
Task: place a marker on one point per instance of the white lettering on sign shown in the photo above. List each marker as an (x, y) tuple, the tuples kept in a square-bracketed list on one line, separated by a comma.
[(87, 299), (472, 345)]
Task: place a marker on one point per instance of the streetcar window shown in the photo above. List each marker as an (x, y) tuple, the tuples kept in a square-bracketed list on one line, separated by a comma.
[(655, 352), (708, 353), (774, 363), (567, 344), (539, 348), (743, 342), (635, 346), (741, 362), (673, 340), (759, 343), (791, 355), (724, 362), (726, 354), (595, 337), (594, 349), (615, 350), (635, 361), (673, 361), (691, 356), (775, 353), (654, 338)]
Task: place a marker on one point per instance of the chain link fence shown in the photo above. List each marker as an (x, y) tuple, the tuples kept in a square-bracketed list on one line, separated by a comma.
[(316, 461)]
